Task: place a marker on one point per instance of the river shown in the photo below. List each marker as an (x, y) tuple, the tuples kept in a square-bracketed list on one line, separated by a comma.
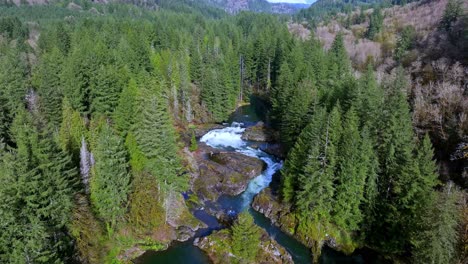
[(229, 138)]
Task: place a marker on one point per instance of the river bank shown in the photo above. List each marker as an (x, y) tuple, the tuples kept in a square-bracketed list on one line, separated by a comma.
[(216, 208)]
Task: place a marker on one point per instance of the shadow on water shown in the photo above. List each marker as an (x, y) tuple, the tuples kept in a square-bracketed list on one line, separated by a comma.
[(299, 253), (179, 253), (245, 114)]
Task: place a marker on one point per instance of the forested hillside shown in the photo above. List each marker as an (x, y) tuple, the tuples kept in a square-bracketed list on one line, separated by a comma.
[(97, 100)]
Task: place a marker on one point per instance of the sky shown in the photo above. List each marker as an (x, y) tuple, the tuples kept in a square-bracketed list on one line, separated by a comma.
[(292, 1)]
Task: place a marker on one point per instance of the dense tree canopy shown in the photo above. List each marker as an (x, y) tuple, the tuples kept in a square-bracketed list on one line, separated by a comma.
[(91, 112)]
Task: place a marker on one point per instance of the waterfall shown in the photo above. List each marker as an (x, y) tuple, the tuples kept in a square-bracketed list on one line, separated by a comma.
[(231, 138)]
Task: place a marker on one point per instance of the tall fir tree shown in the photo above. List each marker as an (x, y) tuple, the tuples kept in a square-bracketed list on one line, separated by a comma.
[(13, 79), (317, 189), (298, 156), (107, 84), (398, 199), (351, 176), (47, 80), (110, 183), (156, 138), (436, 242), (124, 114), (296, 112)]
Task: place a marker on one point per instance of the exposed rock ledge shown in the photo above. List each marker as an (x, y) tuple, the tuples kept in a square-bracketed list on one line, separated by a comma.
[(260, 132), (281, 215), (218, 250), (223, 172)]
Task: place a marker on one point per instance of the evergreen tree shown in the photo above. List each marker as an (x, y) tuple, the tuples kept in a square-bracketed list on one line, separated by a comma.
[(196, 66), (298, 156), (296, 111), (82, 64), (155, 137), (13, 79), (245, 238), (110, 182), (339, 58), (37, 185), (193, 143), (399, 181), (370, 161), (107, 82), (452, 12), (405, 42), (124, 114), (351, 176), (4, 120), (316, 190), (281, 93), (49, 87), (436, 243), (370, 100), (375, 24)]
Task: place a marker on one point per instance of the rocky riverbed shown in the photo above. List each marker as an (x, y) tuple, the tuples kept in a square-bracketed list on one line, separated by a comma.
[(223, 173)]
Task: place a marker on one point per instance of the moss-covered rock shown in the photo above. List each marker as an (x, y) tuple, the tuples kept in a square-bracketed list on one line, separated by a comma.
[(312, 234), (218, 248)]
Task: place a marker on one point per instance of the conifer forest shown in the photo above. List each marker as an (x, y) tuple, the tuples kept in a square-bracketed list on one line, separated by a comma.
[(222, 131)]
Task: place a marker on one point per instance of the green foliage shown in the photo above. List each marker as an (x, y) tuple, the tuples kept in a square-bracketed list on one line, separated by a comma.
[(13, 78), (193, 143), (339, 59), (375, 24), (107, 85), (146, 212), (452, 12), (435, 240), (298, 156), (13, 28), (110, 182), (47, 81), (36, 187), (72, 130), (245, 238), (133, 73), (156, 138), (405, 42), (124, 114), (316, 188), (351, 175)]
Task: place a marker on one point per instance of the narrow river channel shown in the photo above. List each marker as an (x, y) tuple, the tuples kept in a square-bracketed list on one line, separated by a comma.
[(229, 139)]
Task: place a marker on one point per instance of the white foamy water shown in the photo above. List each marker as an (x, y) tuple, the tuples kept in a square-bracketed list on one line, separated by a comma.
[(225, 137), (230, 137)]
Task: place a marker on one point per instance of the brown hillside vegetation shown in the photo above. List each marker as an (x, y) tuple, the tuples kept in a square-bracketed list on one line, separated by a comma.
[(436, 63)]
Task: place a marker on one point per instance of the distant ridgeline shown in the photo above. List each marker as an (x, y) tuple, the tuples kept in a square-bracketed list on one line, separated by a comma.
[(207, 7), (325, 9)]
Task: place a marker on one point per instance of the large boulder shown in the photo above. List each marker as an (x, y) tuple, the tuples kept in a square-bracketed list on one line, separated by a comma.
[(224, 173), (260, 132), (274, 149), (217, 247)]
